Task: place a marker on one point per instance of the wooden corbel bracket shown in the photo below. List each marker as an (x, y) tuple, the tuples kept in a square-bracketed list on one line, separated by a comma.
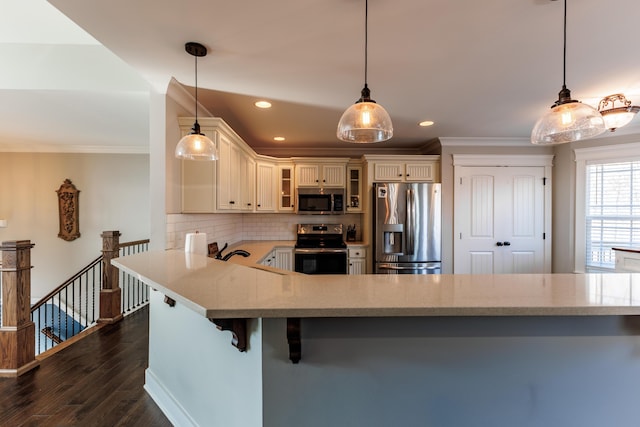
[(294, 339), (238, 328)]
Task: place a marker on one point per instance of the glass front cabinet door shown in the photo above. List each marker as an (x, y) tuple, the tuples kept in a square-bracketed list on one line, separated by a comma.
[(354, 189), (286, 190)]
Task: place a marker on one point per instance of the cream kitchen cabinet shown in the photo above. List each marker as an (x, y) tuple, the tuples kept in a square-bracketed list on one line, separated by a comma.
[(279, 257), (357, 259), (329, 173), (284, 258), (404, 168), (235, 178), (198, 186), (354, 199), (228, 184), (266, 186), (286, 187)]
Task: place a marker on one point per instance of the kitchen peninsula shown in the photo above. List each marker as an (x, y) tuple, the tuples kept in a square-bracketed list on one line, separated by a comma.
[(381, 350)]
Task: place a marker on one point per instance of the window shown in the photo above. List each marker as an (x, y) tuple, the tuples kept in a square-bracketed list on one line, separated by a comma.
[(607, 204), (612, 211)]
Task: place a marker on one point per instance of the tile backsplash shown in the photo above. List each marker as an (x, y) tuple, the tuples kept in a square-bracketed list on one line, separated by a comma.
[(232, 228)]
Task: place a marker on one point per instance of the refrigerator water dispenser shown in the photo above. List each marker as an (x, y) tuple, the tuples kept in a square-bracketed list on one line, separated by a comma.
[(392, 235)]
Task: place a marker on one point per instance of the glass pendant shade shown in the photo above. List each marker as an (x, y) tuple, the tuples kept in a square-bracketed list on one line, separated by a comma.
[(567, 122), (365, 122), (616, 119), (196, 146)]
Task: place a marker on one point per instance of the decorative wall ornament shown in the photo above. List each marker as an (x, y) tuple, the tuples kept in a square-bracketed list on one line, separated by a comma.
[(68, 210)]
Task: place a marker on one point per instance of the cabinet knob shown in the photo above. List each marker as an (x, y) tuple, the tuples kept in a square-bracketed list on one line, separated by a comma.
[(248, 204), (259, 205), (399, 174), (407, 175), (499, 244), (232, 202)]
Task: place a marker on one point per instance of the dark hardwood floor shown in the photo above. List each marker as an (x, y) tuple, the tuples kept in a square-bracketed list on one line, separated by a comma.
[(94, 382)]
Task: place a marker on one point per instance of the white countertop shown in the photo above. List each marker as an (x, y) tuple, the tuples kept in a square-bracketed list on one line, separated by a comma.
[(218, 289)]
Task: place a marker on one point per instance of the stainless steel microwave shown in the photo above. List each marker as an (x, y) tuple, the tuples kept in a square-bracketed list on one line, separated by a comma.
[(320, 201)]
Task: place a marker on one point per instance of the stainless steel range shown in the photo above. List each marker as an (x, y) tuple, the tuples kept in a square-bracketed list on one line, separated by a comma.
[(320, 249)]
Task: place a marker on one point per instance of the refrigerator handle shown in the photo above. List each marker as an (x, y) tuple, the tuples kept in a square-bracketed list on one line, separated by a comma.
[(410, 222)]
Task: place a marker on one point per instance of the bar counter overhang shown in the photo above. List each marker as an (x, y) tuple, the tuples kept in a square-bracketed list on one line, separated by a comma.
[(378, 350)]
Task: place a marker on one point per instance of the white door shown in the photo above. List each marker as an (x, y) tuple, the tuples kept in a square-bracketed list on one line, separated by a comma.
[(499, 220)]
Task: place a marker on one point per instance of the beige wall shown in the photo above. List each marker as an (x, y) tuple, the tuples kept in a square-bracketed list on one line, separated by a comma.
[(114, 195)]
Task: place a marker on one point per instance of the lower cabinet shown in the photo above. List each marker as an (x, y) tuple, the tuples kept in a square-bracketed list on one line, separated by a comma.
[(281, 258), (357, 260)]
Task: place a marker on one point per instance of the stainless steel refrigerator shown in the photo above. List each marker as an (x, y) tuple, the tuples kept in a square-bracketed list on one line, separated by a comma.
[(407, 228)]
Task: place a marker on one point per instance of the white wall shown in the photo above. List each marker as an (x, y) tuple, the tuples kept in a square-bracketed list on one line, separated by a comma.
[(114, 195)]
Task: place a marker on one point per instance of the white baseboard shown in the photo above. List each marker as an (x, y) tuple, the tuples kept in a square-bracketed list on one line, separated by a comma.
[(167, 403)]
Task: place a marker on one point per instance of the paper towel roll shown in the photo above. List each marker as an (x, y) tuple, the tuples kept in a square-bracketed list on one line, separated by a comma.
[(196, 243), (195, 261)]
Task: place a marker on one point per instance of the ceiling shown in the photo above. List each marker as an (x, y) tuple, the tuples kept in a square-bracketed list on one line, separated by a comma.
[(490, 69)]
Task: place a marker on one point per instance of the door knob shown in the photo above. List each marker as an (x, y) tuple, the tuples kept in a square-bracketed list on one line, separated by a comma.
[(507, 243), (499, 244)]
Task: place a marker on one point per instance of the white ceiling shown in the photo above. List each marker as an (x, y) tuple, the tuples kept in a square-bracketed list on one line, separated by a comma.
[(477, 69)]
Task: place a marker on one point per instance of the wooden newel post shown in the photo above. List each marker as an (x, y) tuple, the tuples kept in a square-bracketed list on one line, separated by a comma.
[(17, 331), (110, 293)]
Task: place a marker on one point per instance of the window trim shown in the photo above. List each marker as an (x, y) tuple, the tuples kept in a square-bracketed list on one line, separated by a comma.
[(586, 156)]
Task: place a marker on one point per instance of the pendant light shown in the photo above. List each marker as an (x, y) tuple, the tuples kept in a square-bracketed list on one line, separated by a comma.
[(616, 117), (365, 121), (568, 120), (195, 145)]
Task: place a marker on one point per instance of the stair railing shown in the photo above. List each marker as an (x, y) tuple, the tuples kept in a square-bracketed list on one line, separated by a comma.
[(98, 293)]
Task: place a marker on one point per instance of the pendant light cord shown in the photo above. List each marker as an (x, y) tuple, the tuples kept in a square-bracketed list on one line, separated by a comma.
[(196, 59), (366, 39), (564, 52)]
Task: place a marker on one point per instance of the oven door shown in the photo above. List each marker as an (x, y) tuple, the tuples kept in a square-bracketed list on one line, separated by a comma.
[(320, 261)]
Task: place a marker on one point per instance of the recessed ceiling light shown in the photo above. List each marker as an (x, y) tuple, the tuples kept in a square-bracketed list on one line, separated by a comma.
[(426, 123), (278, 138), (263, 104)]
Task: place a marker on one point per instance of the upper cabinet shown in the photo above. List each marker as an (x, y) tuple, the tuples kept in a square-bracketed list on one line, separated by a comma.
[(243, 181), (236, 176), (328, 172), (266, 186), (228, 184), (285, 187), (420, 168), (198, 186), (354, 200)]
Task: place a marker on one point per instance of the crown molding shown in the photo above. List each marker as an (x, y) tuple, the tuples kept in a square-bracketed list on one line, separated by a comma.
[(503, 160), (181, 96), (79, 149), (485, 142)]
